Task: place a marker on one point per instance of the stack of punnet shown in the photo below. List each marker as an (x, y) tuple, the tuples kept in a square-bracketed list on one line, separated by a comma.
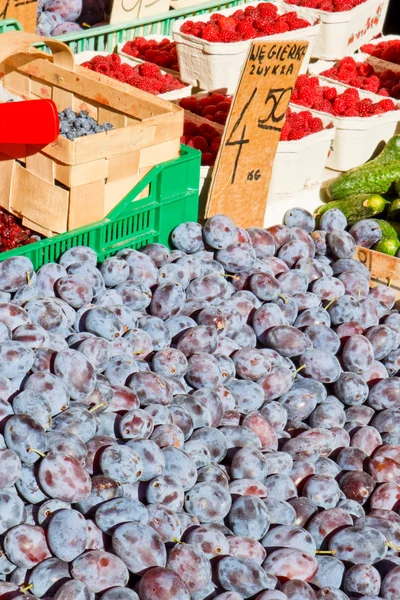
[(218, 420)]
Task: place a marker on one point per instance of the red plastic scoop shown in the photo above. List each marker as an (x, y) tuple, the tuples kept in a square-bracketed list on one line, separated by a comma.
[(33, 122)]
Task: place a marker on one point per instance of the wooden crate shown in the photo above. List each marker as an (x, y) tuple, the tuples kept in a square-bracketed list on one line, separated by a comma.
[(68, 184), (384, 269)]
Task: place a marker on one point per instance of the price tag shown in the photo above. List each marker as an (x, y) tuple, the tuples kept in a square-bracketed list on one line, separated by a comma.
[(22, 10), (243, 169)]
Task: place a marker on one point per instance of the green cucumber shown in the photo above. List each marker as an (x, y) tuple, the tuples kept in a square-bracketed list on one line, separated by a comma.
[(390, 230), (393, 213), (377, 179), (388, 246), (375, 176), (357, 207)]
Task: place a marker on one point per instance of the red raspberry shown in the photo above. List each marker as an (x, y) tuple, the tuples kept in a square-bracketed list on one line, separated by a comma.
[(313, 82), (365, 107), (87, 65), (187, 27), (207, 159), (149, 55), (238, 15), (146, 84), (326, 5), (302, 81), (189, 103), (215, 144), (224, 106), (267, 9), (386, 105), (228, 36), (211, 33), (134, 80), (365, 70), (114, 60), (281, 27), (265, 26), (119, 76), (357, 82), (141, 41), (220, 117), (391, 54), (330, 93), (216, 98), (103, 68), (190, 129), (208, 132), (297, 133), (246, 30), (199, 143), (227, 23), (209, 112), (127, 70), (299, 24), (395, 92), (285, 132), (372, 84), (351, 112), (306, 97), (251, 11), (339, 106), (351, 96), (315, 125), (368, 48)]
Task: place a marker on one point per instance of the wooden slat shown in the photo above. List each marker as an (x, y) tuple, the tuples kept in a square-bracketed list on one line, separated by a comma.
[(80, 174), (86, 204), (34, 227), (123, 166), (118, 119), (50, 207), (40, 89), (41, 165), (385, 270), (159, 153), (6, 181), (101, 145), (18, 83)]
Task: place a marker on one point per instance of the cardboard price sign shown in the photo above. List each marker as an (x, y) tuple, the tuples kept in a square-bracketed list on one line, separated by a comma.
[(242, 173), (128, 10), (22, 10)]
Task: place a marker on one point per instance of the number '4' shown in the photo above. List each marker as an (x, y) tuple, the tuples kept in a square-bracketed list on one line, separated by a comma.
[(242, 140)]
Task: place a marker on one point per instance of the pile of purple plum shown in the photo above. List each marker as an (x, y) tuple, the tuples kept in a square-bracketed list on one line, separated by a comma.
[(59, 17), (217, 421)]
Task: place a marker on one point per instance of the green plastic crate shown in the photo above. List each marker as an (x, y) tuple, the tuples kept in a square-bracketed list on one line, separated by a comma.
[(104, 39), (10, 25), (173, 198)]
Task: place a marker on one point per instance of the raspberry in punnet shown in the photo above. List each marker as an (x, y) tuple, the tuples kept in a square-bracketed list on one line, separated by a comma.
[(389, 50), (252, 22), (327, 5), (365, 77), (161, 53), (214, 107), (146, 76), (327, 99)]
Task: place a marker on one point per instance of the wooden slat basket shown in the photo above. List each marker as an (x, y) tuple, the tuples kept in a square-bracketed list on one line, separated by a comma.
[(69, 184)]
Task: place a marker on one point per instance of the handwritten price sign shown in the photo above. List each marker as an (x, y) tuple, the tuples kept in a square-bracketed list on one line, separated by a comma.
[(243, 169)]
